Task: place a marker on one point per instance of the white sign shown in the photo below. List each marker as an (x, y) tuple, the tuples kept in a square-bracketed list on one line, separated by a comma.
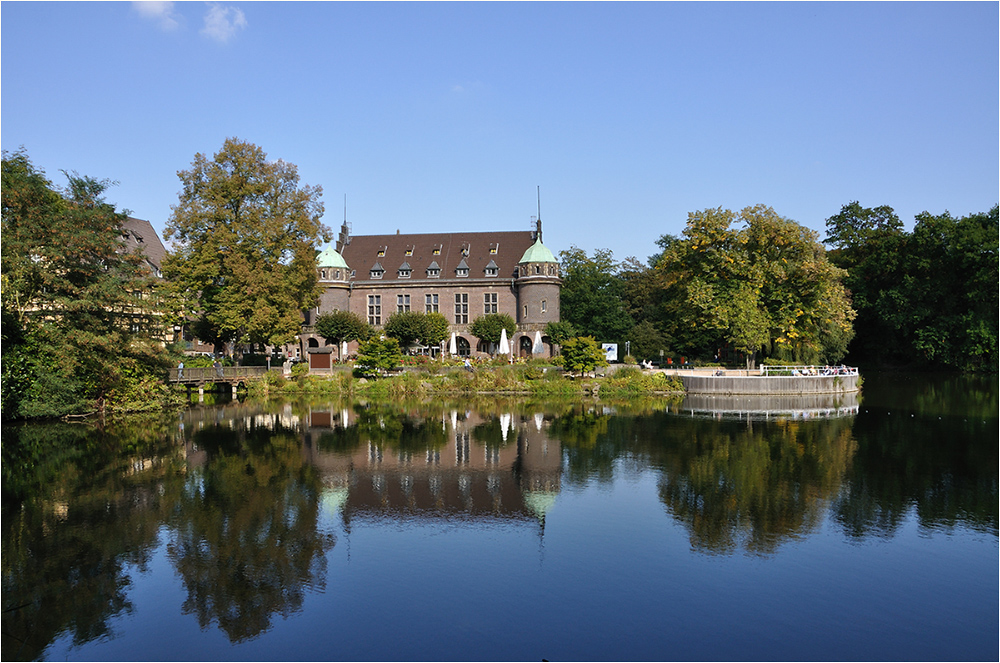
[(610, 351)]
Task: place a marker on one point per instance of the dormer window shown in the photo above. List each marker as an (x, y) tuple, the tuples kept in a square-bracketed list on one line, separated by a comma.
[(437, 250), (462, 269), (492, 269), (409, 251), (377, 271), (494, 248), (433, 270), (404, 271), (381, 252)]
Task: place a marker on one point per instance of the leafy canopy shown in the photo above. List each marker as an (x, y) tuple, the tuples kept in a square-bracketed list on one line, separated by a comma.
[(376, 356), (926, 297), (244, 234), (339, 327), (591, 298), (767, 285), (81, 318), (583, 354), (489, 327)]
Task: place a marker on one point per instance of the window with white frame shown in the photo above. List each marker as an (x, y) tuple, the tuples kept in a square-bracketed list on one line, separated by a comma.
[(375, 309), (462, 308), (489, 302), (402, 303), (431, 303)]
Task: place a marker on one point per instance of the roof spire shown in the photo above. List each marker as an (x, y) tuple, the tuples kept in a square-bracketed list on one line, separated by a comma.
[(538, 222)]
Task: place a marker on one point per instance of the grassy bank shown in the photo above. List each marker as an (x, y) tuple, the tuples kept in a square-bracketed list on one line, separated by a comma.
[(533, 381)]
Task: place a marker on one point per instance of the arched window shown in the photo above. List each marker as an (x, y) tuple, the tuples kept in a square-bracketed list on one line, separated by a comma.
[(464, 350), (313, 343)]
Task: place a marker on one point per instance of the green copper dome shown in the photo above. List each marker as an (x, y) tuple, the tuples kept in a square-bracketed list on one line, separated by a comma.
[(537, 253), (330, 258)]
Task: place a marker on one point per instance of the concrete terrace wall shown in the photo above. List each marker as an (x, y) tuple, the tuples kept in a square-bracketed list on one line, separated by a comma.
[(772, 385)]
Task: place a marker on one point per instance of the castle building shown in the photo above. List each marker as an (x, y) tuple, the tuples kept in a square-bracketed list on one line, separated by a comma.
[(461, 275)]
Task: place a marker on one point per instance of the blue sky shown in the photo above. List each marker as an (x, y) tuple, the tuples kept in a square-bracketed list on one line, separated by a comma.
[(442, 117)]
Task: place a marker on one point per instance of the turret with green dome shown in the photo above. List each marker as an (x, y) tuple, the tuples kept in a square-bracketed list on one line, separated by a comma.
[(334, 277), (538, 284)]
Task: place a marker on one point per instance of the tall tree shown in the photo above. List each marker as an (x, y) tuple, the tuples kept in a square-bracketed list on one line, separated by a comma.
[(926, 297), (244, 233), (592, 295), (768, 285), (79, 306), (870, 243)]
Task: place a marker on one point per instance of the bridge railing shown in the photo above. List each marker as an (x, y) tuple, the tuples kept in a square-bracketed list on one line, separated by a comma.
[(210, 374)]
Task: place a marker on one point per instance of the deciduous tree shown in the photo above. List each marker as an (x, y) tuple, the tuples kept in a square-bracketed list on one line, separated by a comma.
[(592, 295), (79, 307), (767, 285), (338, 327), (582, 355), (243, 235), (376, 356), (489, 327)]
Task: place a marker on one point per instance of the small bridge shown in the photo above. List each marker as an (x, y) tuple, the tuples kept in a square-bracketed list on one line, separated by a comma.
[(235, 376)]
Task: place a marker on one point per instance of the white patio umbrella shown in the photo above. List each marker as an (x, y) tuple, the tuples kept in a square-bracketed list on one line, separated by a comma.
[(504, 344), (343, 350), (538, 348), (453, 345)]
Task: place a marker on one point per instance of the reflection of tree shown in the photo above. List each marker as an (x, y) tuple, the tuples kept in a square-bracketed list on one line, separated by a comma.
[(944, 466), (737, 486), (589, 450), (246, 541), (88, 509)]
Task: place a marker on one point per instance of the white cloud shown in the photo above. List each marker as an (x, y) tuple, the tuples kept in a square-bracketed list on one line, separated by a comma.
[(161, 12), (221, 23)]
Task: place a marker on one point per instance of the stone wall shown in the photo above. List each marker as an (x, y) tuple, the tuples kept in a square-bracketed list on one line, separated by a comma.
[(772, 385)]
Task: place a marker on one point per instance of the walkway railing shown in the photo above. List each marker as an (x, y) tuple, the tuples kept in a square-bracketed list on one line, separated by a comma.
[(210, 374), (806, 371)]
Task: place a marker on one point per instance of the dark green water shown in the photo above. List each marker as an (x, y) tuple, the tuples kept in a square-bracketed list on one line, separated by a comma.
[(506, 530)]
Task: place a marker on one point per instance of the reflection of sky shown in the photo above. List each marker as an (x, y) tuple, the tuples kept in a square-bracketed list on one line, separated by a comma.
[(612, 577)]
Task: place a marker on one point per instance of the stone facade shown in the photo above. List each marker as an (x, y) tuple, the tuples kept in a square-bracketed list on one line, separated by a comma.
[(460, 275)]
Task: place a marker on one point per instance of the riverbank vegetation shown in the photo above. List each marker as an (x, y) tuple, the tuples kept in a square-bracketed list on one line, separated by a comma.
[(82, 321), (438, 379)]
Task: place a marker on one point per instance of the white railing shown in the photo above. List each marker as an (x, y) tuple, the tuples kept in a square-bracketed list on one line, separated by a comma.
[(808, 371)]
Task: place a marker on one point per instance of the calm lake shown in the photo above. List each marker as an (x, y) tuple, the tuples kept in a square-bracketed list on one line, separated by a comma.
[(853, 529)]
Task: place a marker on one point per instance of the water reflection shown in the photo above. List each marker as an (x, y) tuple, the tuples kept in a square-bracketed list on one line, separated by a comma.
[(82, 508), (242, 495), (244, 528), (378, 461)]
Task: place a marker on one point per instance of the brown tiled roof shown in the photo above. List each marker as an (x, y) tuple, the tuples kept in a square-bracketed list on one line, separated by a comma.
[(363, 253), (141, 237)]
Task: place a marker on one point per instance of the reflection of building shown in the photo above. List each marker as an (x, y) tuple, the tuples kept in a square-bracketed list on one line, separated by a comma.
[(460, 275), (513, 475)]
